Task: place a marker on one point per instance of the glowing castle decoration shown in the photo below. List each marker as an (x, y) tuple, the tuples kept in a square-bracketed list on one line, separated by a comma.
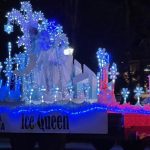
[(45, 71)]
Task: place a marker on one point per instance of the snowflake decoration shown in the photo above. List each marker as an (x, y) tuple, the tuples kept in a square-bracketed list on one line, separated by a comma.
[(113, 72), (26, 19), (125, 93), (103, 57), (8, 28), (138, 91), (30, 21)]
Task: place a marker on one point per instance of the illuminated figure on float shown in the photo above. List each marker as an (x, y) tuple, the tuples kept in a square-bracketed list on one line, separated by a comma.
[(105, 89), (43, 64)]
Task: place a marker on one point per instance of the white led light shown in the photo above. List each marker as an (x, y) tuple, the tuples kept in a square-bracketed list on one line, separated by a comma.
[(68, 51)]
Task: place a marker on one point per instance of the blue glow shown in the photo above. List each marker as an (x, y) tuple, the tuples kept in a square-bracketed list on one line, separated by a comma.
[(125, 93), (71, 110), (138, 91), (8, 28)]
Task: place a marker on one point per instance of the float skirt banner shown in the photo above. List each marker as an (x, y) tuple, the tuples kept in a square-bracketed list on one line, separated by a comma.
[(92, 122)]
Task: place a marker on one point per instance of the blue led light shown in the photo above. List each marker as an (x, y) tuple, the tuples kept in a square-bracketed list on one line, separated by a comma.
[(54, 108), (8, 28)]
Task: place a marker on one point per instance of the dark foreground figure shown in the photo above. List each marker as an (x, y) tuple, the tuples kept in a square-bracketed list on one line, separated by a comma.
[(45, 141)]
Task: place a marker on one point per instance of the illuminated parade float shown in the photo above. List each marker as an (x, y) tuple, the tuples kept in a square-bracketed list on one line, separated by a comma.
[(46, 90)]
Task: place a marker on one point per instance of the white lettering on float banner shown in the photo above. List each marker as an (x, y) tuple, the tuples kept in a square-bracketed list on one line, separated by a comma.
[(94, 122)]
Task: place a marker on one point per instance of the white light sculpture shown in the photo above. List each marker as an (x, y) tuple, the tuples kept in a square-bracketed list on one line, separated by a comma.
[(138, 92), (113, 72), (125, 93)]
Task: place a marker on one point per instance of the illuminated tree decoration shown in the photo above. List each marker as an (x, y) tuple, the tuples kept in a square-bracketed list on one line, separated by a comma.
[(9, 66), (138, 92), (125, 93), (113, 72), (103, 62)]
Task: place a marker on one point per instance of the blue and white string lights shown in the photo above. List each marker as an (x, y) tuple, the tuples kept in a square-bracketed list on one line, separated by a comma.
[(125, 93), (103, 61), (1, 66), (42, 92), (103, 57), (9, 65), (113, 72), (36, 29), (8, 28), (138, 92), (70, 91), (86, 88)]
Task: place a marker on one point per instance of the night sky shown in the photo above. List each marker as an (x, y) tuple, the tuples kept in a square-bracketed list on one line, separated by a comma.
[(121, 26)]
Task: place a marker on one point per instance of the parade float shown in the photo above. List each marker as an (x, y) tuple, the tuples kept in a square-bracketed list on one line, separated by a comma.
[(46, 90)]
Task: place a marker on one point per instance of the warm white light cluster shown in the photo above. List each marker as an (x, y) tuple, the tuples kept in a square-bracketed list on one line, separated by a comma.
[(68, 51)]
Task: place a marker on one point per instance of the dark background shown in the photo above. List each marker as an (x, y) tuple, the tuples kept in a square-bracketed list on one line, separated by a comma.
[(121, 26)]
